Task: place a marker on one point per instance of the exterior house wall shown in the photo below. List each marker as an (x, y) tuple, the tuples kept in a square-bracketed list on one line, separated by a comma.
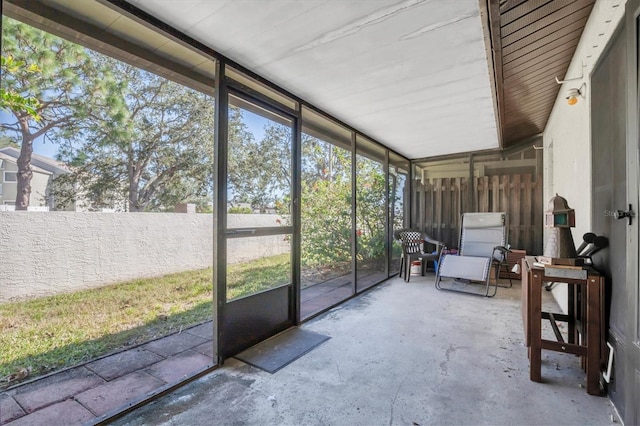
[(45, 253), (39, 184), (567, 136), (8, 188)]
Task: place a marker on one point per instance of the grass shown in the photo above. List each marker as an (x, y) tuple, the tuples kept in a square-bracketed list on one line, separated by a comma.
[(258, 275), (58, 331)]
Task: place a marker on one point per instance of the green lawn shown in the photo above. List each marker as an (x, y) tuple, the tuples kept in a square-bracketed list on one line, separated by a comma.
[(258, 275), (54, 332)]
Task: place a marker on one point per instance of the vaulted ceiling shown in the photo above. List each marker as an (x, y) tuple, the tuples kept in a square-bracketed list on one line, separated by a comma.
[(424, 77)]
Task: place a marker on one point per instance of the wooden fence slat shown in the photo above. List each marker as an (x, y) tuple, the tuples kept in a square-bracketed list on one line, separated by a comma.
[(442, 201), (437, 213), (504, 194), (495, 194), (483, 196), (417, 204), (538, 216), (514, 211), (527, 211), (456, 212)]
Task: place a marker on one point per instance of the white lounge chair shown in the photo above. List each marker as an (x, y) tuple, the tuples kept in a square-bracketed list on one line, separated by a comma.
[(483, 243)]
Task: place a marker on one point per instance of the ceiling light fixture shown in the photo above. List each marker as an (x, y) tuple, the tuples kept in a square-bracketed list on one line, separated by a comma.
[(573, 94)]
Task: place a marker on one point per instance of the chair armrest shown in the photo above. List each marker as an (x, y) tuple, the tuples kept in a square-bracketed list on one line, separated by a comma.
[(440, 246), (502, 249), (503, 253), (428, 239)]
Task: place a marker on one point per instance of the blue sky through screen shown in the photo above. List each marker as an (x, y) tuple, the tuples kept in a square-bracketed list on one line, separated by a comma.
[(43, 146)]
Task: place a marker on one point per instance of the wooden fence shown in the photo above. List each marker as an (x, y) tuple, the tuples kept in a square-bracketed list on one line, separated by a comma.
[(440, 202)]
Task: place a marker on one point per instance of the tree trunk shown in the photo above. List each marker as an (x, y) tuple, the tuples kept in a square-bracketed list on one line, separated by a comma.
[(134, 205), (133, 177), (24, 175)]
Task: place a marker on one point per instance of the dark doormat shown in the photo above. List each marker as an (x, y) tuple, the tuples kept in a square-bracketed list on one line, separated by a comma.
[(281, 350)]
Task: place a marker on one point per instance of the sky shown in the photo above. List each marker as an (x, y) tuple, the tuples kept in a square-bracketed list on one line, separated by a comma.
[(43, 146)]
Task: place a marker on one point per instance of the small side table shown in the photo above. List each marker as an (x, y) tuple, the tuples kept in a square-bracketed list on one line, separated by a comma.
[(585, 318)]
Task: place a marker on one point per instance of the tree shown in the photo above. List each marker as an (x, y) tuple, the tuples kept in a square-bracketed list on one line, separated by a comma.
[(8, 141), (155, 152), (371, 213), (326, 204), (326, 207), (12, 101), (259, 171), (68, 88), (132, 139)]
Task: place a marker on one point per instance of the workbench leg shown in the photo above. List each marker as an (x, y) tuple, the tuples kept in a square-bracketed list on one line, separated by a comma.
[(571, 295), (535, 354), (593, 335)]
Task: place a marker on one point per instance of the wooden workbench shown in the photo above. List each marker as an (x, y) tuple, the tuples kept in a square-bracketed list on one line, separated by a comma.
[(585, 318)]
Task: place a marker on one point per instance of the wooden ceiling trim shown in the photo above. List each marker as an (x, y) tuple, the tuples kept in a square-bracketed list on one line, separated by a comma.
[(531, 105), (544, 52), (531, 101), (549, 40), (519, 118), (551, 70), (532, 98), (525, 125), (516, 116), (534, 17), (526, 130), (573, 22), (507, 5), (533, 112), (557, 54), (540, 79), (530, 129), (518, 137), (521, 10), (561, 14), (537, 41)]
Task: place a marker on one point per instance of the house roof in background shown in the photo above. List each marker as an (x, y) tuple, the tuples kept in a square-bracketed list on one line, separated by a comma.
[(41, 163)]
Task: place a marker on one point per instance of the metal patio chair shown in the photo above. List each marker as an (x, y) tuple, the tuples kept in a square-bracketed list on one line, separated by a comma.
[(483, 243)]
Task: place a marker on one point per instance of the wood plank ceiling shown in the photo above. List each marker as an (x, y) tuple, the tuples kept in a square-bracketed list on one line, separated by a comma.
[(533, 42)]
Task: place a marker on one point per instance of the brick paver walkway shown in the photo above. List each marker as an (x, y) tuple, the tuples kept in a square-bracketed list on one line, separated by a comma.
[(85, 392)]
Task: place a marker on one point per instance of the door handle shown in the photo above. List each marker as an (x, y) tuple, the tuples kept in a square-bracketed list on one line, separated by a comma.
[(621, 214), (241, 231)]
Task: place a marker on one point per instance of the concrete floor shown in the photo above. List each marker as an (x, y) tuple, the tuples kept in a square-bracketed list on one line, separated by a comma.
[(402, 354)]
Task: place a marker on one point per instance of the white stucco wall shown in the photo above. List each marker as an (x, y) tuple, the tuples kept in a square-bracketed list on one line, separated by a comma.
[(567, 136), (44, 253), (245, 249)]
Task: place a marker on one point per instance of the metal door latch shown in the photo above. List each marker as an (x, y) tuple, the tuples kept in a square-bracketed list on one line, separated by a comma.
[(621, 214)]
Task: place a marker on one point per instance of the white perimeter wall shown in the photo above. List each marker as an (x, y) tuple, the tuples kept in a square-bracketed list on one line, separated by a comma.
[(44, 253), (567, 136)]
